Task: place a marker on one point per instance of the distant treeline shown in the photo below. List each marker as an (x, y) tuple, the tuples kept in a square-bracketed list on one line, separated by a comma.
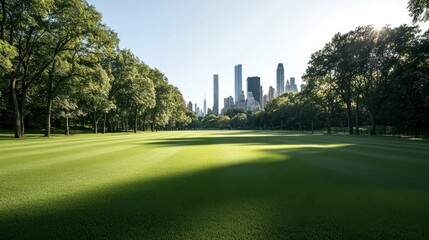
[(60, 66), (365, 77)]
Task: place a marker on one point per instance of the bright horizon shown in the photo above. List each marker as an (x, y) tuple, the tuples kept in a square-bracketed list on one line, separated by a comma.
[(189, 40)]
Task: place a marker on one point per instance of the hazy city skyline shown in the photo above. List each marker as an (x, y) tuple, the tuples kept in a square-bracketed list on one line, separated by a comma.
[(190, 41)]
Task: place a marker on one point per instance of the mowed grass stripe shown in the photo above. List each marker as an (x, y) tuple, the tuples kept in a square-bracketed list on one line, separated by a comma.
[(14, 156), (59, 141), (79, 178), (220, 184)]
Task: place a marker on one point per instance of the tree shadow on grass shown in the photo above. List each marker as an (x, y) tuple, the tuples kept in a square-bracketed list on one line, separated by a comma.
[(294, 198), (245, 140)]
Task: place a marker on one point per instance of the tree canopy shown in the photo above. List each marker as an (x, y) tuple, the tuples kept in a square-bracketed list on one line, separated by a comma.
[(55, 53)]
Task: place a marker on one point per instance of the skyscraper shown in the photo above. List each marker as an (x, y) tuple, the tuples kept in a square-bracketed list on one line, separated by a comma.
[(227, 104), (271, 93), (280, 79), (216, 94), (205, 106), (265, 101), (254, 86), (190, 106), (238, 81), (293, 86), (287, 86)]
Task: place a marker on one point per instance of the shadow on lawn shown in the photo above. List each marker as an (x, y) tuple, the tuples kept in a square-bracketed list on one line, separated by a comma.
[(243, 138), (289, 199)]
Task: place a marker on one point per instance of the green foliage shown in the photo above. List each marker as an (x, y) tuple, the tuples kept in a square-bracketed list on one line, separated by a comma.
[(7, 54), (210, 121), (239, 121), (419, 10), (365, 67), (223, 122), (61, 52)]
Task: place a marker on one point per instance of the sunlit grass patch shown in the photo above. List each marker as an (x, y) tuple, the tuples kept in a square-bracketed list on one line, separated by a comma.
[(214, 184)]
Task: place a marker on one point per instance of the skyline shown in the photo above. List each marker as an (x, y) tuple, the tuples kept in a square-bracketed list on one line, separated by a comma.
[(191, 41)]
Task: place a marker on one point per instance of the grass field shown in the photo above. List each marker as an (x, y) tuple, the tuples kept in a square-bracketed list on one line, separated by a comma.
[(214, 185)]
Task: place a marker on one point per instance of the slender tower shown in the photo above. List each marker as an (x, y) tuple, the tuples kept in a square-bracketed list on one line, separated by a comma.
[(280, 79), (216, 94), (205, 106), (238, 81)]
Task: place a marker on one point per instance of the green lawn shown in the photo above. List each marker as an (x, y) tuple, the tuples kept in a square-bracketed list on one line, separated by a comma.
[(214, 185)]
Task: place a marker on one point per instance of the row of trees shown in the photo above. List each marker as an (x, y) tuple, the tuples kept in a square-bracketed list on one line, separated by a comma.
[(379, 73), (363, 77), (59, 61)]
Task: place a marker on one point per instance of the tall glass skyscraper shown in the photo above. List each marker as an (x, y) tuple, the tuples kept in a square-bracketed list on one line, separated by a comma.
[(205, 106), (216, 94), (280, 79), (293, 86), (254, 86), (238, 81)]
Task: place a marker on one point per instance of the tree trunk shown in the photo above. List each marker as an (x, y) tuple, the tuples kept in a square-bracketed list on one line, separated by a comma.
[(329, 127), (136, 121), (104, 123), (312, 125), (95, 123), (4, 15), (373, 130), (349, 118), (144, 122), (22, 113), (357, 117), (67, 129), (16, 111), (48, 117)]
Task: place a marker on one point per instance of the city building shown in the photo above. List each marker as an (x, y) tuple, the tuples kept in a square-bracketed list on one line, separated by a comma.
[(209, 111), (205, 107), (293, 86), (190, 106), (251, 103), (228, 103), (216, 94), (265, 101), (287, 88), (238, 80), (254, 87), (271, 93), (241, 103), (280, 79)]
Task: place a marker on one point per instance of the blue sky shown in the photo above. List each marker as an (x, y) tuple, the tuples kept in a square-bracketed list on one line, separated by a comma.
[(191, 40)]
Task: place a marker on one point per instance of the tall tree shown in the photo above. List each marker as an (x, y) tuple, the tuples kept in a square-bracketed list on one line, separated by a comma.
[(340, 63), (95, 90), (89, 46), (419, 10), (142, 93), (389, 48), (23, 25)]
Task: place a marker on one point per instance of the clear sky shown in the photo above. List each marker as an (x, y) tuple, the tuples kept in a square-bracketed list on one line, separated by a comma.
[(190, 40)]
